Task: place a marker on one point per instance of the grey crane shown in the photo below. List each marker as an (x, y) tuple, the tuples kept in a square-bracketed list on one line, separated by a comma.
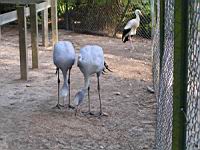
[(90, 61), (64, 57)]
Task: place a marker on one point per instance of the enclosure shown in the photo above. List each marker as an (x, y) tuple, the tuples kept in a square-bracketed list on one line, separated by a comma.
[(164, 56)]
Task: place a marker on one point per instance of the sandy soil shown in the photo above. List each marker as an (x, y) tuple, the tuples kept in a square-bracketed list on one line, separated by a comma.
[(28, 122)]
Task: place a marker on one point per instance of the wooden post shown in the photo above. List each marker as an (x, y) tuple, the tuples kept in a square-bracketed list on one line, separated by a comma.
[(162, 31), (22, 42), (54, 20), (34, 35), (45, 28), (180, 74), (152, 18)]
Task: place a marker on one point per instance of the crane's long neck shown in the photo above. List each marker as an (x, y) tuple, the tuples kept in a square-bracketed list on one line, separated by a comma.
[(64, 90), (65, 84), (86, 82), (81, 94)]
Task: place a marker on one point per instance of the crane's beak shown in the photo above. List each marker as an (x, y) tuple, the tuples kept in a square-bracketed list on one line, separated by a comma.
[(142, 14)]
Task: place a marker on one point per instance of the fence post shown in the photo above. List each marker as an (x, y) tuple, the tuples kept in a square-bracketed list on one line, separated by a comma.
[(54, 20), (162, 31), (152, 3), (34, 35), (45, 27), (180, 74), (0, 33), (22, 42)]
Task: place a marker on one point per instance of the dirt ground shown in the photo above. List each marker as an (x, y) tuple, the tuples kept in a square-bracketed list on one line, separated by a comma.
[(28, 122)]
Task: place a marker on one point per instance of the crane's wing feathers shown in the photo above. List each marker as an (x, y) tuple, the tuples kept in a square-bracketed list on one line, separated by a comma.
[(91, 59), (64, 55)]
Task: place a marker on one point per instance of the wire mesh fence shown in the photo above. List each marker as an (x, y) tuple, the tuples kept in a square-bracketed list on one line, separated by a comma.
[(163, 77), (193, 89), (156, 51), (107, 17)]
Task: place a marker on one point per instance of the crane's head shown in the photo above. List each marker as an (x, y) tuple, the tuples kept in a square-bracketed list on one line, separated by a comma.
[(138, 12), (79, 97)]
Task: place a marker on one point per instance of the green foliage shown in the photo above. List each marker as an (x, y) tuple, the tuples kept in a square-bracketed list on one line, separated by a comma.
[(61, 7), (101, 15)]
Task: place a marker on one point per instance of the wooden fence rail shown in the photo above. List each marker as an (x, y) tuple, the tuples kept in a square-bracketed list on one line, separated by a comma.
[(12, 16)]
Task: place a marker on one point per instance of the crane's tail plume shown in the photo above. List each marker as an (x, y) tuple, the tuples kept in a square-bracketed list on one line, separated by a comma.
[(57, 69), (106, 68)]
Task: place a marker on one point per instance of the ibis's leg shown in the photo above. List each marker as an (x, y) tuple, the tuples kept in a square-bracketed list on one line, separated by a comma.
[(69, 105), (131, 42)]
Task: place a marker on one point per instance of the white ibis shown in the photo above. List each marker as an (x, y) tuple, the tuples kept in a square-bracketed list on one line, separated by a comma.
[(90, 61), (64, 58), (131, 27)]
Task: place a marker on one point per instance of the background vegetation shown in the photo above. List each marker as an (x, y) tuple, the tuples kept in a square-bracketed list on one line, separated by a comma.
[(106, 17)]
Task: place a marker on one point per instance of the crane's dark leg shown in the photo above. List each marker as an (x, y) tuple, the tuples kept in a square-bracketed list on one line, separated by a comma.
[(69, 105), (89, 110), (98, 88), (58, 105), (89, 100)]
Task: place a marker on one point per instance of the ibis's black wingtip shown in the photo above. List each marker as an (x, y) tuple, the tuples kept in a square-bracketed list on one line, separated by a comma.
[(125, 35)]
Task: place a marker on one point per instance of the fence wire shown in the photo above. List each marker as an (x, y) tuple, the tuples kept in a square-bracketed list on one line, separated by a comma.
[(156, 51), (163, 77), (193, 89), (163, 80)]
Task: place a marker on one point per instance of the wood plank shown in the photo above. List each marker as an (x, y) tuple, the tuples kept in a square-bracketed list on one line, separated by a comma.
[(34, 35), (8, 17), (21, 1), (22, 42), (43, 6), (45, 28), (54, 20), (12, 16)]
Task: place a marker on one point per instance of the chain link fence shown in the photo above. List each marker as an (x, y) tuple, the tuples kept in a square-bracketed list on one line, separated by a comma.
[(163, 77), (156, 50), (109, 18), (193, 89)]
